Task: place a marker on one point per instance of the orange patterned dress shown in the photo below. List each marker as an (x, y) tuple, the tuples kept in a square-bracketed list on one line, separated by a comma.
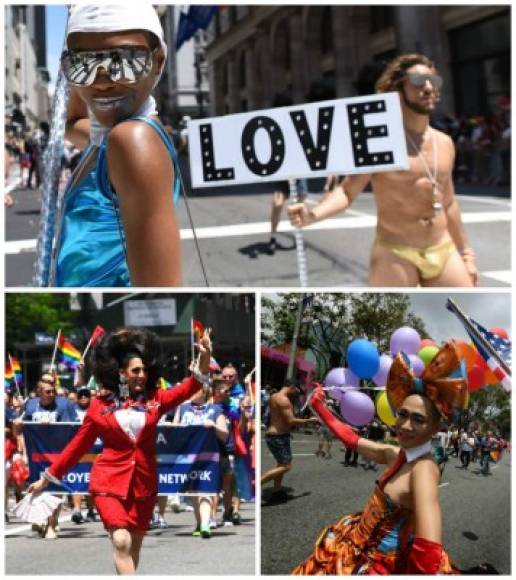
[(375, 541)]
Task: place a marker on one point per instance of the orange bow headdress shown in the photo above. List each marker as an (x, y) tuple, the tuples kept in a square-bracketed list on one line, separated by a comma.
[(443, 381)]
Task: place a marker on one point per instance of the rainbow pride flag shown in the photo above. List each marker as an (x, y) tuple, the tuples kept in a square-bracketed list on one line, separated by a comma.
[(164, 384), (8, 375), (16, 367), (70, 356)]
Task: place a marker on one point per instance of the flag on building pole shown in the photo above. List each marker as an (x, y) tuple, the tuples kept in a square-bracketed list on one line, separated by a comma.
[(191, 19), (495, 350)]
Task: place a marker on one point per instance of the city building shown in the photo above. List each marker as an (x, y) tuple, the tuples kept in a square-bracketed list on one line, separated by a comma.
[(183, 90), (313, 52), (169, 315), (26, 74)]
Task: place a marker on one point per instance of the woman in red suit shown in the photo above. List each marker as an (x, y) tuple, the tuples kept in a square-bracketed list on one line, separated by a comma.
[(123, 480)]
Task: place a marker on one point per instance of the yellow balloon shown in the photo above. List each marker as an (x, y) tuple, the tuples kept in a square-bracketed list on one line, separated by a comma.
[(383, 409)]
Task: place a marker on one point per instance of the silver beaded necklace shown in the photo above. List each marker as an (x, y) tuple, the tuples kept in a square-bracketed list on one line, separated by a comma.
[(436, 204)]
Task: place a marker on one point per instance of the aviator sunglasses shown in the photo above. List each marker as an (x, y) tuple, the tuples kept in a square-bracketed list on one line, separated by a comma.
[(419, 80), (123, 65)]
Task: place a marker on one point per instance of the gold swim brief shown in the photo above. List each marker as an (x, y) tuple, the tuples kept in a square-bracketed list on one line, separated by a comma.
[(430, 261)]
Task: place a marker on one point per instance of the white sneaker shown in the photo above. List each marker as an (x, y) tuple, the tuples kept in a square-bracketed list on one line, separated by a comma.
[(213, 524)]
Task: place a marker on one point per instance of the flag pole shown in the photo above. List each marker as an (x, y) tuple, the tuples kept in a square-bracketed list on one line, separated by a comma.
[(192, 341), (466, 322), (86, 349), (55, 350), (293, 346), (300, 241), (14, 375)]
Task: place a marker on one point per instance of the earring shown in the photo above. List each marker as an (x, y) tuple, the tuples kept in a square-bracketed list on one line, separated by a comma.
[(123, 387)]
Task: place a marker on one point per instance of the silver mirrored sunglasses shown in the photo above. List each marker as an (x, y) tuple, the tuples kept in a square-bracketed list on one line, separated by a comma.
[(123, 65), (419, 80)]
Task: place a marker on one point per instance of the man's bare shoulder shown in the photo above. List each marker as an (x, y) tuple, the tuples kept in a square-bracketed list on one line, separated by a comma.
[(444, 139), (280, 400)]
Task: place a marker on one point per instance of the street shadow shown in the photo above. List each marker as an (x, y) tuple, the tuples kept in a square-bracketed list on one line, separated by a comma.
[(253, 251), (215, 533), (78, 534), (278, 499), (28, 212), (478, 472), (481, 570), (470, 536)]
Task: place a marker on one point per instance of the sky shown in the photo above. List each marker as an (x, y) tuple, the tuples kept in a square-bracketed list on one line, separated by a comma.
[(493, 309), (56, 24)]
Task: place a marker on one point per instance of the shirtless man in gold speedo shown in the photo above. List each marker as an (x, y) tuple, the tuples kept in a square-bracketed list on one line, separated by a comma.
[(420, 238)]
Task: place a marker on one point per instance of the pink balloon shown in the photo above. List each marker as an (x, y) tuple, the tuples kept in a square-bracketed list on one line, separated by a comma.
[(418, 366), (380, 378), (405, 340), (357, 408)]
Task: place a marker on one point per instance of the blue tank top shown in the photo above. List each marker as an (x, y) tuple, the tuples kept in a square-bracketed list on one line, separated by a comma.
[(90, 248)]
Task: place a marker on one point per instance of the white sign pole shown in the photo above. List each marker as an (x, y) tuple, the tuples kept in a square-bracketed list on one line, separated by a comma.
[(300, 240)]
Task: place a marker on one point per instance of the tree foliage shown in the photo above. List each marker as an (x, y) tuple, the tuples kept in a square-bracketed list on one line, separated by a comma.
[(26, 314), (490, 408), (331, 321)]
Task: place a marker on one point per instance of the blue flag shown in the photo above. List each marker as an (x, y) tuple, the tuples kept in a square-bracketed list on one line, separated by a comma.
[(188, 458), (195, 18)]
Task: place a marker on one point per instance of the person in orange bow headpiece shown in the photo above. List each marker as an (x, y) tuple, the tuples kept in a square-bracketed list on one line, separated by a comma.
[(400, 530)]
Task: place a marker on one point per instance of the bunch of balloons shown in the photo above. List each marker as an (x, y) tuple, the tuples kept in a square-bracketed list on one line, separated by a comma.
[(365, 362)]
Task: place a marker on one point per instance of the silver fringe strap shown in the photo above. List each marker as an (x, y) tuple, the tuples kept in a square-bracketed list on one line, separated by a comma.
[(300, 242), (50, 184)]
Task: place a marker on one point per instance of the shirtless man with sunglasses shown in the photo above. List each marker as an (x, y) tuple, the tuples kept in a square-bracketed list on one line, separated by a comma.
[(420, 238)]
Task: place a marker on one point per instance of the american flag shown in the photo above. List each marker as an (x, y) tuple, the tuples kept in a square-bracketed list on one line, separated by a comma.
[(495, 350), (501, 346)]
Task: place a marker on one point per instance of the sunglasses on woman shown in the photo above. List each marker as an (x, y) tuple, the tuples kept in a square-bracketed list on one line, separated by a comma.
[(123, 65), (419, 80)]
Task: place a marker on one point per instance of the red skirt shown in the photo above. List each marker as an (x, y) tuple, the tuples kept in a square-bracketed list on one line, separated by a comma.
[(133, 514)]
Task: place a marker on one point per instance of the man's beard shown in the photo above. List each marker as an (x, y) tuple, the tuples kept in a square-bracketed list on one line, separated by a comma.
[(416, 107)]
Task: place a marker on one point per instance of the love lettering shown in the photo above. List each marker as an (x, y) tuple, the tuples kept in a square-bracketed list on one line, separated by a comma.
[(313, 140)]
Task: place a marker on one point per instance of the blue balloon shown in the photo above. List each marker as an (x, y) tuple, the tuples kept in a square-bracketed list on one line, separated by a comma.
[(363, 358)]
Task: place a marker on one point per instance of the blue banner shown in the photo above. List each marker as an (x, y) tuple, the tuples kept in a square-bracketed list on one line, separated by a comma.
[(188, 458)]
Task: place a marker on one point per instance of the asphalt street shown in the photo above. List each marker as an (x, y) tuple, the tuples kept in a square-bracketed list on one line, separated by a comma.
[(86, 549), (232, 225), (476, 509)]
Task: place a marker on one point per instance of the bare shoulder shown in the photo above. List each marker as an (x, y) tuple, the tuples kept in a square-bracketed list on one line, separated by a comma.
[(444, 140), (138, 162), (280, 400), (137, 143), (425, 471)]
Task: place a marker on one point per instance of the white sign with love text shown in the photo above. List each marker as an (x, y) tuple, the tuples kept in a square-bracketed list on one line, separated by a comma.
[(342, 136)]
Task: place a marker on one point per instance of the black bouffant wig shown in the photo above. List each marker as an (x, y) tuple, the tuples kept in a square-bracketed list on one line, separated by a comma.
[(116, 350)]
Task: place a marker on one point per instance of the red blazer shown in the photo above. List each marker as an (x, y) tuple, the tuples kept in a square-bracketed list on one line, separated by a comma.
[(124, 464)]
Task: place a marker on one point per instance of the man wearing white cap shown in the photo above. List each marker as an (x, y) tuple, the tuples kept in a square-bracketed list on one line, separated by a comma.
[(118, 225)]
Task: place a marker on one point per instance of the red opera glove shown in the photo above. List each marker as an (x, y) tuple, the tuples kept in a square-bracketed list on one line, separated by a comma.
[(339, 429), (424, 557)]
